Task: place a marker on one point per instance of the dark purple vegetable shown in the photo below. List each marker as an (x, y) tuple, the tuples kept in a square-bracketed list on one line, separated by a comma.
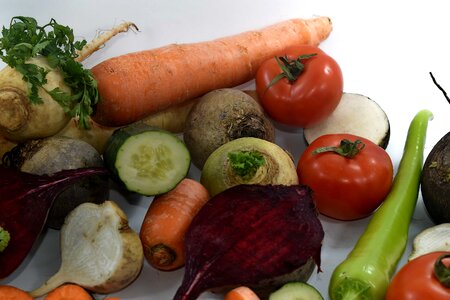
[(249, 234), (25, 200)]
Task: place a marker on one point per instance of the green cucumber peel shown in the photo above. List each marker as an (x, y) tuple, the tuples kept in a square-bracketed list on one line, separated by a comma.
[(366, 272)]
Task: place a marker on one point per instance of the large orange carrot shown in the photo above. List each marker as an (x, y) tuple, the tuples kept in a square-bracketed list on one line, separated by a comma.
[(137, 84), (69, 291), (9, 292), (166, 222), (241, 293)]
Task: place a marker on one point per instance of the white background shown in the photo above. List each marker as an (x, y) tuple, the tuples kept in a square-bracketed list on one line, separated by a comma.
[(385, 49)]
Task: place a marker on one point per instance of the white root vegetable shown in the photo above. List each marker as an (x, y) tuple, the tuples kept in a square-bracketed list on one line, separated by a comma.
[(19, 119), (356, 114), (99, 251), (436, 238)]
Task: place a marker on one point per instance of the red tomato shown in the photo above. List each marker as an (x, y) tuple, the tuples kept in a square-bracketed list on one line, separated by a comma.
[(307, 100), (416, 280), (346, 188)]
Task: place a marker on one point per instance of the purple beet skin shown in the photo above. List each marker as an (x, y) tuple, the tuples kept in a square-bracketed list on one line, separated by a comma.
[(25, 200)]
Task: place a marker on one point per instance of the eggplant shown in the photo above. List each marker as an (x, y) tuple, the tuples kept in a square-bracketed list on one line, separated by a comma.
[(435, 181), (252, 235)]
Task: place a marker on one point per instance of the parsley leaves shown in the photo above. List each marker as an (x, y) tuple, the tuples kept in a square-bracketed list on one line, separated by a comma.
[(26, 39)]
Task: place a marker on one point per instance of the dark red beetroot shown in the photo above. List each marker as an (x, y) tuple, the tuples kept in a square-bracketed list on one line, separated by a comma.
[(25, 200), (249, 234)]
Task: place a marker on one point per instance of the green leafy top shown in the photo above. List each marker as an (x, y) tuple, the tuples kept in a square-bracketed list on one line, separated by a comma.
[(4, 239), (26, 39), (246, 163)]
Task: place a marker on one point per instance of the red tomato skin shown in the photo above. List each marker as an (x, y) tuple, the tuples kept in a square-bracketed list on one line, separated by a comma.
[(346, 188), (416, 281), (308, 100)]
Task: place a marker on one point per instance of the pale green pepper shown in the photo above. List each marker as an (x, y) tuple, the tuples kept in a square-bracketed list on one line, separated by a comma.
[(366, 272)]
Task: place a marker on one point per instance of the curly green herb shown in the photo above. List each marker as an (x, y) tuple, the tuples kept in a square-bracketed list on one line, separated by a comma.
[(25, 39)]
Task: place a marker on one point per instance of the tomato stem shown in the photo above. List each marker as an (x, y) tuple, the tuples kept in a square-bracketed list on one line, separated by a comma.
[(346, 148), (291, 68), (441, 271)]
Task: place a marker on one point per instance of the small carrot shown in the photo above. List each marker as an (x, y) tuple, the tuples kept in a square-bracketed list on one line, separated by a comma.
[(68, 291), (9, 292), (135, 85), (241, 293), (166, 222)]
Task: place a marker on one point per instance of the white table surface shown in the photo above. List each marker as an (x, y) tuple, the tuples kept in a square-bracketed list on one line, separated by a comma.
[(386, 50)]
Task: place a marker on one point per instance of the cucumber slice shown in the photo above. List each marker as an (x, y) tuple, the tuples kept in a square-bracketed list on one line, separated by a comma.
[(147, 160), (356, 114), (296, 291)]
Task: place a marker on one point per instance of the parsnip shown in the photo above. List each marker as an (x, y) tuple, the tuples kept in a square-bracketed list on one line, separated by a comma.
[(99, 251), (19, 119), (171, 119)]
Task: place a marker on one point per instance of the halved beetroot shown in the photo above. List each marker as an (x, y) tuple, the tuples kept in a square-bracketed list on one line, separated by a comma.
[(250, 235)]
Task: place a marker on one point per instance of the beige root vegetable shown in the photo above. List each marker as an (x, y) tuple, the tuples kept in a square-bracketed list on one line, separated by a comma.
[(19, 119), (99, 251), (247, 160), (172, 119)]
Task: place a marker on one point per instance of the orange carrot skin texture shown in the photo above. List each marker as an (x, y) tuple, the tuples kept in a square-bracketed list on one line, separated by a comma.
[(135, 85), (68, 291), (9, 292), (166, 222), (241, 293)]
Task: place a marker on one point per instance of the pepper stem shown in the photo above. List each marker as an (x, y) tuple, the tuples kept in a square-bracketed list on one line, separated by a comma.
[(346, 148), (441, 271)]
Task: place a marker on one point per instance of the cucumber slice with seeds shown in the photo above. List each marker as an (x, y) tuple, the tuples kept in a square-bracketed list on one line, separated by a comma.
[(147, 160), (296, 291)]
